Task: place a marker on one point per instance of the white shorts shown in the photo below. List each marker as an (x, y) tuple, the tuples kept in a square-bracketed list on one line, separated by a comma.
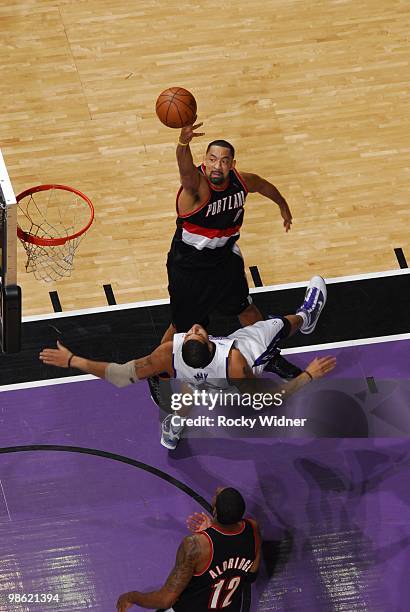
[(258, 342)]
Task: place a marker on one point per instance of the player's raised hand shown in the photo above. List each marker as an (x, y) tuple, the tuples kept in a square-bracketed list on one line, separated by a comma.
[(188, 132), (321, 366), (57, 357), (198, 521)]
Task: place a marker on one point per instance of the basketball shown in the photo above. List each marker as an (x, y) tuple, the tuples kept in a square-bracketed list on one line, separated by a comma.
[(176, 107)]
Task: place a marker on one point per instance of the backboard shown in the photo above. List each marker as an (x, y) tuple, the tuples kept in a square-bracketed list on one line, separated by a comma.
[(10, 300)]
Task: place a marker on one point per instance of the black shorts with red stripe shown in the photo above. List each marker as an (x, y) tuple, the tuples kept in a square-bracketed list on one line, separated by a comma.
[(195, 292)]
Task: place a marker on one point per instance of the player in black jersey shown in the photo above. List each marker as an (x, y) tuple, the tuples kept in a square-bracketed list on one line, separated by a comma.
[(205, 266), (212, 566)]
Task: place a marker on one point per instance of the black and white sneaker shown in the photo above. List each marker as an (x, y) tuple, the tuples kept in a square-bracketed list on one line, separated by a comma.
[(282, 367), (154, 389)]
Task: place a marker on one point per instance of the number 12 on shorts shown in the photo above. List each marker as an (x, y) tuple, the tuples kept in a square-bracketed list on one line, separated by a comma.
[(223, 592)]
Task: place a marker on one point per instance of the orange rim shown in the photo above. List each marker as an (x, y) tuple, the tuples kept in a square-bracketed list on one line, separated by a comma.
[(31, 238)]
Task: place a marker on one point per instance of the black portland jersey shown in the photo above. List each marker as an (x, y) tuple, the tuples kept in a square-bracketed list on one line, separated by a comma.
[(205, 236), (220, 584)]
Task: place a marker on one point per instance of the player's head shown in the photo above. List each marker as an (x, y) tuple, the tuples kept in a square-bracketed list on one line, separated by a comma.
[(228, 506), (197, 350), (219, 160)]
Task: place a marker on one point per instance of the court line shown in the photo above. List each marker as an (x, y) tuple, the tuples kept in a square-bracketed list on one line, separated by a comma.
[(5, 500), (46, 383), (115, 457), (401, 258), (55, 301), (256, 277), (265, 288), (334, 280), (109, 294), (96, 310), (345, 344), (288, 351)]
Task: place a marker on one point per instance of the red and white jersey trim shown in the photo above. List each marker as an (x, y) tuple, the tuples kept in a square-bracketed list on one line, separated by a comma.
[(210, 557), (240, 177), (240, 529), (207, 238)]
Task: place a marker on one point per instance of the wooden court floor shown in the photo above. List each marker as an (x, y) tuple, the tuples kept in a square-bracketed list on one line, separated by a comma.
[(314, 96)]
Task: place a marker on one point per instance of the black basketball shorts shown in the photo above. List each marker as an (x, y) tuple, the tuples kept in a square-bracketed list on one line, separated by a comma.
[(196, 292)]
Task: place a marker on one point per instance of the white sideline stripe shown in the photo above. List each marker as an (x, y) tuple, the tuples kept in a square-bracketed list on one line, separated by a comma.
[(333, 280), (5, 182), (47, 383), (329, 281), (301, 349), (345, 343), (97, 309)]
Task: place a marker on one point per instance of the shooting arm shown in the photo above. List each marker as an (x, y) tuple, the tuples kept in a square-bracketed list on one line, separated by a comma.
[(188, 172)]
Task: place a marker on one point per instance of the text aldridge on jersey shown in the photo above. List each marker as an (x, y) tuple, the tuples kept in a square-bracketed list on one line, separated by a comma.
[(231, 563)]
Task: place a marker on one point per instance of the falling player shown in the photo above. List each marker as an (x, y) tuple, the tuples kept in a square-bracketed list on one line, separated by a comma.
[(192, 355)]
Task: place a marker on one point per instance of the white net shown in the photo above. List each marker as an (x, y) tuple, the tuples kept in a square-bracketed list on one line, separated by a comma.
[(57, 214), (51, 263)]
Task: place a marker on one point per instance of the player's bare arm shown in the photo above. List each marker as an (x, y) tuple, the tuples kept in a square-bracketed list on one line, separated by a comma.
[(258, 544), (238, 367), (257, 184), (160, 360), (188, 559), (240, 373), (319, 367), (194, 186)]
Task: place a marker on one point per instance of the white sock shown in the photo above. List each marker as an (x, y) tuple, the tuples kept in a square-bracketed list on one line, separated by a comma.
[(303, 315)]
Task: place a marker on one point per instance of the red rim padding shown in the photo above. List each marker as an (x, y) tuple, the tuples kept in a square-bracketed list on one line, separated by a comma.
[(26, 237)]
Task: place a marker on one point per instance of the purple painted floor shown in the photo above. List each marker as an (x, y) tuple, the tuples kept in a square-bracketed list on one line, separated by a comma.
[(334, 512)]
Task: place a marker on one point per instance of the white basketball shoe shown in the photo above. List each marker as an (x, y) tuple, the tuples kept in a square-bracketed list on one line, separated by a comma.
[(313, 304), (170, 434)]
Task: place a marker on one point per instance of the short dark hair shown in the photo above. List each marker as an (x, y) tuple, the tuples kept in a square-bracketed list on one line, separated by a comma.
[(230, 506), (222, 143), (195, 353)]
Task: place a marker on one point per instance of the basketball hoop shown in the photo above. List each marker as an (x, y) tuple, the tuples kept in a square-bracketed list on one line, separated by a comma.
[(52, 220)]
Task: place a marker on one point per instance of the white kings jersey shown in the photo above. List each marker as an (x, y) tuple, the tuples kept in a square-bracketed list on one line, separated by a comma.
[(215, 374), (257, 343)]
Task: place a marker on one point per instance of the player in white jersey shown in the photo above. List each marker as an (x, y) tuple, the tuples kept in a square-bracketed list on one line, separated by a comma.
[(196, 357)]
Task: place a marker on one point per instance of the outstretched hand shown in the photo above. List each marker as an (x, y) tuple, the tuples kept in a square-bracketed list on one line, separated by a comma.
[(321, 366), (57, 357), (287, 218), (198, 521), (188, 132), (123, 603)]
